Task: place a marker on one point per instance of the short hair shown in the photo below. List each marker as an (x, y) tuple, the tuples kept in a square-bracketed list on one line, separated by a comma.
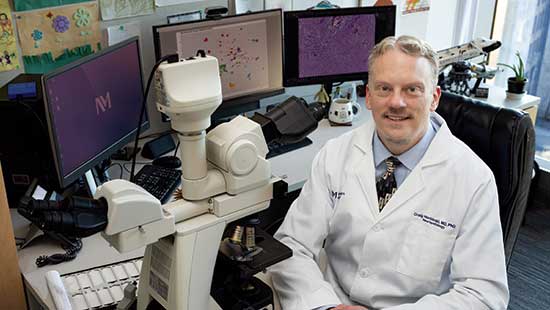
[(409, 45)]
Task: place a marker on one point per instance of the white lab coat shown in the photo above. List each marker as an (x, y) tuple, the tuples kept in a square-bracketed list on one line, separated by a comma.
[(436, 245)]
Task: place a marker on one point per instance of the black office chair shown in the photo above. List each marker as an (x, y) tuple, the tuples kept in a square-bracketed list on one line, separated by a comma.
[(505, 140)]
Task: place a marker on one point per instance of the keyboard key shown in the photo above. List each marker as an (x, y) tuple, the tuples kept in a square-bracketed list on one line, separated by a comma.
[(119, 272), (117, 293), (131, 269), (97, 280), (83, 280), (138, 265), (92, 299), (105, 297), (71, 285), (108, 275), (79, 303)]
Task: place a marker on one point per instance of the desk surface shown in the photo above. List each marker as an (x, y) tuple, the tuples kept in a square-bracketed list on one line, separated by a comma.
[(293, 167), (497, 97)]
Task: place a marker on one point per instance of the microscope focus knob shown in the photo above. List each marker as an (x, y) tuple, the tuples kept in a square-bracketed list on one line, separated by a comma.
[(242, 157)]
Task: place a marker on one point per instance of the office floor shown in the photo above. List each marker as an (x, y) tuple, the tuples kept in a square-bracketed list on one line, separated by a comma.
[(529, 270)]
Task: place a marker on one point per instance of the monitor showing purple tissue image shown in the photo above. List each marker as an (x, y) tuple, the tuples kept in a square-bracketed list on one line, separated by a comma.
[(93, 108), (333, 45)]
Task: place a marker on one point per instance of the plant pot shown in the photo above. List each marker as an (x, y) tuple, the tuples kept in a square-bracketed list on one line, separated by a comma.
[(516, 87)]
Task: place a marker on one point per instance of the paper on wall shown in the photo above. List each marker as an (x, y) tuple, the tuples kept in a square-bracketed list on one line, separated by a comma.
[(285, 5), (414, 6), (243, 6), (376, 2), (171, 2), (119, 33), (9, 60), (113, 9)]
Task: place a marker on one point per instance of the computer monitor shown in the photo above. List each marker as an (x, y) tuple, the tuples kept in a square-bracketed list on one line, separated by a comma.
[(93, 107), (333, 45), (248, 48)]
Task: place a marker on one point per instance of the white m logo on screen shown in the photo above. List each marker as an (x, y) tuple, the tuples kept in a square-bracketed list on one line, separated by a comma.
[(103, 103)]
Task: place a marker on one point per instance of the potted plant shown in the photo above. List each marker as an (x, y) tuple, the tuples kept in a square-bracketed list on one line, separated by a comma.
[(516, 83)]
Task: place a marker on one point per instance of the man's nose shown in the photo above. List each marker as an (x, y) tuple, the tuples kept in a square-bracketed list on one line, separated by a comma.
[(396, 100)]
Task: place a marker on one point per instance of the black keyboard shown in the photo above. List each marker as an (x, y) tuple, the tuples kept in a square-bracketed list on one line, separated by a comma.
[(158, 181), (276, 148)]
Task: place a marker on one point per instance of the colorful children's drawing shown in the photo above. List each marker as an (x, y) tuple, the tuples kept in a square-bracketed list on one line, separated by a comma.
[(8, 45), (53, 37), (25, 5)]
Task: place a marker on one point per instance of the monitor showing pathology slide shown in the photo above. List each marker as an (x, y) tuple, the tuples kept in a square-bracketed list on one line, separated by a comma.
[(93, 108), (333, 45)]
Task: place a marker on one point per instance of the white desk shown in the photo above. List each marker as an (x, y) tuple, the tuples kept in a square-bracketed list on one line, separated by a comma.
[(527, 103), (293, 167)]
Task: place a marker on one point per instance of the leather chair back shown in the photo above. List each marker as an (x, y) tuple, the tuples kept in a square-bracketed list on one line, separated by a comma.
[(505, 140)]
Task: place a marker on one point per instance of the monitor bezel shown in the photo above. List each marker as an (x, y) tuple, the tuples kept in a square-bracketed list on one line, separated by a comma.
[(291, 50), (240, 104), (75, 174)]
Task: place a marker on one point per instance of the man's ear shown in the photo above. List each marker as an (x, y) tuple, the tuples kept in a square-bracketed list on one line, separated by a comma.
[(436, 97)]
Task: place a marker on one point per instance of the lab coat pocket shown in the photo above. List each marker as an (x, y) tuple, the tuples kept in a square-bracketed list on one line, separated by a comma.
[(425, 251)]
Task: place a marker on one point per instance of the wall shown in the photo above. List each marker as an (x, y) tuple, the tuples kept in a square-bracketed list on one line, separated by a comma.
[(437, 26), (146, 41)]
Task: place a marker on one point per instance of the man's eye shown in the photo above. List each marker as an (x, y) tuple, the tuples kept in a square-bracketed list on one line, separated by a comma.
[(414, 90)]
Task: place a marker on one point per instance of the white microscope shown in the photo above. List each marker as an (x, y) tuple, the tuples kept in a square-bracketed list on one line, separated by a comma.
[(225, 177)]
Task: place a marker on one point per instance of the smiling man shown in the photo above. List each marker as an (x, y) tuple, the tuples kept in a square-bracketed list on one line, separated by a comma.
[(414, 223)]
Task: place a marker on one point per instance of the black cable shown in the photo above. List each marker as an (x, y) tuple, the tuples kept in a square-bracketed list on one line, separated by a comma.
[(125, 165), (70, 254), (177, 147), (170, 58), (158, 134), (28, 107)]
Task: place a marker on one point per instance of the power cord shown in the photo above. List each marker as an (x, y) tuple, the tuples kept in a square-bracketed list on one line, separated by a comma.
[(70, 254), (171, 58)]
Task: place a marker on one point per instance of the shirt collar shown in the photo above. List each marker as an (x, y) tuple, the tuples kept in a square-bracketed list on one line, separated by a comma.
[(410, 158)]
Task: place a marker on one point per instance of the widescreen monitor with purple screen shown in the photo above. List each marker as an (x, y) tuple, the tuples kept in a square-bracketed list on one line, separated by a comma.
[(333, 45), (94, 108)]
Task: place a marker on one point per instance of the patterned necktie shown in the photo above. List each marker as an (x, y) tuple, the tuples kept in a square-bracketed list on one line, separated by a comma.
[(386, 185)]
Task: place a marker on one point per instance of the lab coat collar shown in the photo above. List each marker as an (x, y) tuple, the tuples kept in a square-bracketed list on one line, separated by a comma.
[(437, 153)]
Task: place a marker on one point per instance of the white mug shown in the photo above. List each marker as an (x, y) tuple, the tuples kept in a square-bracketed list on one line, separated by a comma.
[(342, 111)]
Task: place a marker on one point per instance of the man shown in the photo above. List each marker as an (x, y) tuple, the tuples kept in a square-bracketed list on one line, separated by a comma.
[(434, 243)]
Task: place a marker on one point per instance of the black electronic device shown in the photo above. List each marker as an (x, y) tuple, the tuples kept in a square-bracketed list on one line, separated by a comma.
[(25, 152), (287, 125), (93, 106), (333, 45), (215, 11), (248, 48), (158, 181), (158, 146), (168, 162)]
